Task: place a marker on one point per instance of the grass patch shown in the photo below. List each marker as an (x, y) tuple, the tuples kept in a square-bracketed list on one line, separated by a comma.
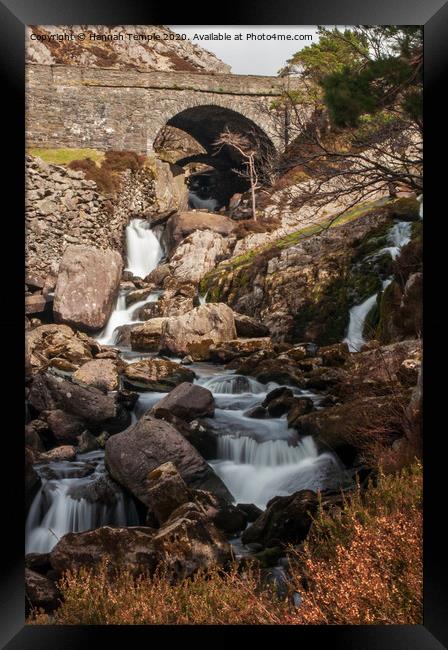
[(66, 156)]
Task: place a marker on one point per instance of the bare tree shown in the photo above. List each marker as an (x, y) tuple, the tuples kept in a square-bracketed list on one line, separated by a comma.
[(248, 151)]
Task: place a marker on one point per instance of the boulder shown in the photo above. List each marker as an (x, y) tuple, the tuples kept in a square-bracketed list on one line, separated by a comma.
[(170, 190), (251, 510), (87, 286), (225, 352), (278, 401), (100, 373), (183, 224), (286, 520), (132, 454), (36, 303), (188, 542), (186, 401), (225, 516), (49, 392), (65, 427), (195, 332), (129, 548), (87, 442), (156, 374), (280, 370), (47, 343), (40, 592), (344, 428), (146, 337), (249, 327), (334, 355)]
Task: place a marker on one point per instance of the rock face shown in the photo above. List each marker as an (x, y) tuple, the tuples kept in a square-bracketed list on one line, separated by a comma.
[(183, 224), (186, 401), (159, 52), (87, 286), (193, 333), (156, 374), (133, 453), (286, 520), (249, 327), (100, 373)]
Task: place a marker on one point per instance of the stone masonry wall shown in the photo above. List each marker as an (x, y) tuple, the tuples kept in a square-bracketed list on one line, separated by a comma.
[(104, 109)]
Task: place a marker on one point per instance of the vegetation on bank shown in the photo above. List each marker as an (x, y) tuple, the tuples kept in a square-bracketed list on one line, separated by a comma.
[(63, 156), (359, 565)]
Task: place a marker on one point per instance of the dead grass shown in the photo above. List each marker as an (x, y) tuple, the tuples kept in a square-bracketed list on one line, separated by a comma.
[(107, 174), (362, 564)]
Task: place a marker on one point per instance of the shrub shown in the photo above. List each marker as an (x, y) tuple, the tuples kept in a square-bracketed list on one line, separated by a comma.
[(106, 176)]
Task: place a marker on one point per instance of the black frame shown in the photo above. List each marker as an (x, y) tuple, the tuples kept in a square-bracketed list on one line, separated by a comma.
[(14, 15)]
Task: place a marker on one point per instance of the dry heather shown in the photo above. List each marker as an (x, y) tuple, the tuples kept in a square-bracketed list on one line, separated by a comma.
[(362, 564)]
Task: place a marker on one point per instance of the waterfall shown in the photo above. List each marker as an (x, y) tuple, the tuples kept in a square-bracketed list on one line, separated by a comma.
[(122, 315), (420, 211), (203, 299), (256, 472), (71, 501), (143, 249), (195, 202), (399, 235), (233, 385)]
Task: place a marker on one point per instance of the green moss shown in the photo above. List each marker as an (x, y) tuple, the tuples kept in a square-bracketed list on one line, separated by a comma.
[(66, 156)]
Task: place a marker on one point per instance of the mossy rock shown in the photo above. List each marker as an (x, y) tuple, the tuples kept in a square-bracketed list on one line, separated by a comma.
[(269, 557), (389, 305)]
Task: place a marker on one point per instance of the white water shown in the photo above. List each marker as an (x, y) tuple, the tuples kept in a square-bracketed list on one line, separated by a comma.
[(399, 236), (66, 503), (233, 385), (122, 315), (420, 200), (256, 472), (197, 203), (144, 252), (143, 249)]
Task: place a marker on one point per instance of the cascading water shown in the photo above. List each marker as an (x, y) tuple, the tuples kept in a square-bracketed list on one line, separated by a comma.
[(399, 235), (143, 249), (144, 253), (195, 202), (74, 497)]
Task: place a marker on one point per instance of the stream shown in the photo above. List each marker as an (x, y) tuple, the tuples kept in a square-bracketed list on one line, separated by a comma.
[(257, 459)]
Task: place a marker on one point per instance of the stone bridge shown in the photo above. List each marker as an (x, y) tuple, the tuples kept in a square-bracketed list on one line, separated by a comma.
[(104, 108)]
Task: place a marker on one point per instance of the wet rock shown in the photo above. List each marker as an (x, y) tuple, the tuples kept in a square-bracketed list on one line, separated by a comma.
[(279, 370), (286, 520), (257, 412), (33, 435), (299, 406), (87, 286), (38, 562), (156, 375), (195, 332), (100, 373), (40, 592), (224, 515), (65, 452), (186, 401), (278, 401), (130, 548), (132, 454)]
